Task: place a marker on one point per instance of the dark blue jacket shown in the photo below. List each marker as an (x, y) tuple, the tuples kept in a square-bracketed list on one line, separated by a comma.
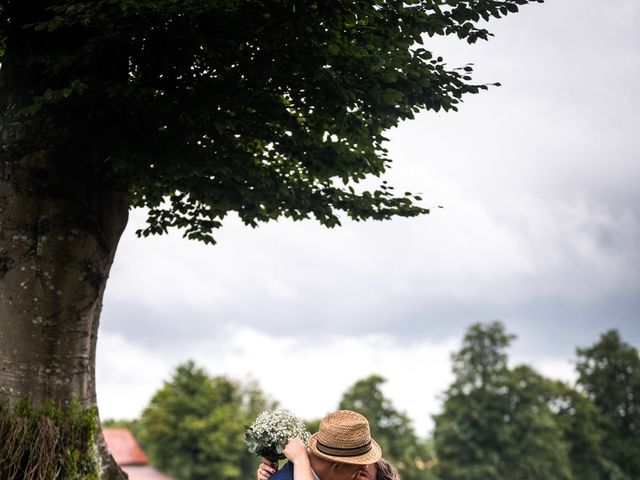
[(285, 473)]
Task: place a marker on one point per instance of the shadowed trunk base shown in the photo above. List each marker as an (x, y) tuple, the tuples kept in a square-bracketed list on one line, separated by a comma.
[(51, 442)]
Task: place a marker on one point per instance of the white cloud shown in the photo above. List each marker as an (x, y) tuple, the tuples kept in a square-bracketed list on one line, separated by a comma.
[(127, 375), (557, 369), (308, 378)]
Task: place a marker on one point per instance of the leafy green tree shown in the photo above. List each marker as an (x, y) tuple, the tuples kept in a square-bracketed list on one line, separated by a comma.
[(496, 423), (312, 425), (470, 431), (582, 425), (536, 447), (193, 426), (609, 374), (192, 110), (391, 428)]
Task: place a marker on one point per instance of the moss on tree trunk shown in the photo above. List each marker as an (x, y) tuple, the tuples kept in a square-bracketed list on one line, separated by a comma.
[(48, 442)]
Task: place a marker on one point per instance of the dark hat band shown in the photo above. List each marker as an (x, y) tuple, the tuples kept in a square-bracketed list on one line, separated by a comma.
[(344, 452)]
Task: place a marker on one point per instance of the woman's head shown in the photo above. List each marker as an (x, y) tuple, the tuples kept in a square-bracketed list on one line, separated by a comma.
[(386, 471), (381, 470)]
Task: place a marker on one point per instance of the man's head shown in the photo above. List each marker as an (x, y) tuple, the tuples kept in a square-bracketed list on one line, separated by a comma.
[(343, 446)]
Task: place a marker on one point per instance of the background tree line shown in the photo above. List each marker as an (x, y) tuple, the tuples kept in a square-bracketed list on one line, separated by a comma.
[(497, 422)]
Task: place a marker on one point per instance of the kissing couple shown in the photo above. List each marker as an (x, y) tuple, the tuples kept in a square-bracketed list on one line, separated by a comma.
[(342, 449)]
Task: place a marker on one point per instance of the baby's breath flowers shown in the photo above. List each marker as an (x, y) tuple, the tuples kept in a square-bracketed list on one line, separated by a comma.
[(269, 433)]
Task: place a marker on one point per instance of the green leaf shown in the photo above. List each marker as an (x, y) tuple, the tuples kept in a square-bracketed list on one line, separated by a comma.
[(391, 96)]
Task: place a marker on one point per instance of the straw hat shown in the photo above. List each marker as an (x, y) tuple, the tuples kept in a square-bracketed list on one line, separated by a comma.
[(344, 436)]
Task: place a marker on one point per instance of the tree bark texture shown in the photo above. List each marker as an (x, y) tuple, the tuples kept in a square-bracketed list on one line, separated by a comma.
[(55, 255)]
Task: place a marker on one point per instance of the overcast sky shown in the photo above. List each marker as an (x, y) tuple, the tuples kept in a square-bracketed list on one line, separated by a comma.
[(540, 229)]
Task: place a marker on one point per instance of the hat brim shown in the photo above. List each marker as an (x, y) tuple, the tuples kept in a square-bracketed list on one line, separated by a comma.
[(372, 456)]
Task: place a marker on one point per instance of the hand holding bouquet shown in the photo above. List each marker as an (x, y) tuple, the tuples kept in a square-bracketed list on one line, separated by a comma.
[(270, 432)]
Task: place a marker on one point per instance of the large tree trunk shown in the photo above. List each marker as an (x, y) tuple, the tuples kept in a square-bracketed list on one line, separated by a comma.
[(59, 229), (62, 213)]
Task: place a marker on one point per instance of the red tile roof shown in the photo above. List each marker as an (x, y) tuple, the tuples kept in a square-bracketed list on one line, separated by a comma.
[(144, 472), (123, 447)]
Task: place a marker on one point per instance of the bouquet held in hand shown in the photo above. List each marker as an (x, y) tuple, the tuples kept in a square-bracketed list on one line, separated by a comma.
[(270, 432)]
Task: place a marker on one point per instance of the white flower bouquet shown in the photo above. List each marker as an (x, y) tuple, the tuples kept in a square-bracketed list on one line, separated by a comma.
[(270, 432)]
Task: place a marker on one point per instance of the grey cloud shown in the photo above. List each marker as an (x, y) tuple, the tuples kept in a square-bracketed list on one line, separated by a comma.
[(545, 326), (174, 329)]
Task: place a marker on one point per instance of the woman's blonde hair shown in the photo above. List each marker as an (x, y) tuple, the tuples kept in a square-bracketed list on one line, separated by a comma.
[(386, 471)]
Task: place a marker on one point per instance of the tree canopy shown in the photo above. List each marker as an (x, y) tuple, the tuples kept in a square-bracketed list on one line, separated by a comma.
[(264, 108), (194, 424), (501, 423), (609, 373), (496, 422), (391, 428)]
